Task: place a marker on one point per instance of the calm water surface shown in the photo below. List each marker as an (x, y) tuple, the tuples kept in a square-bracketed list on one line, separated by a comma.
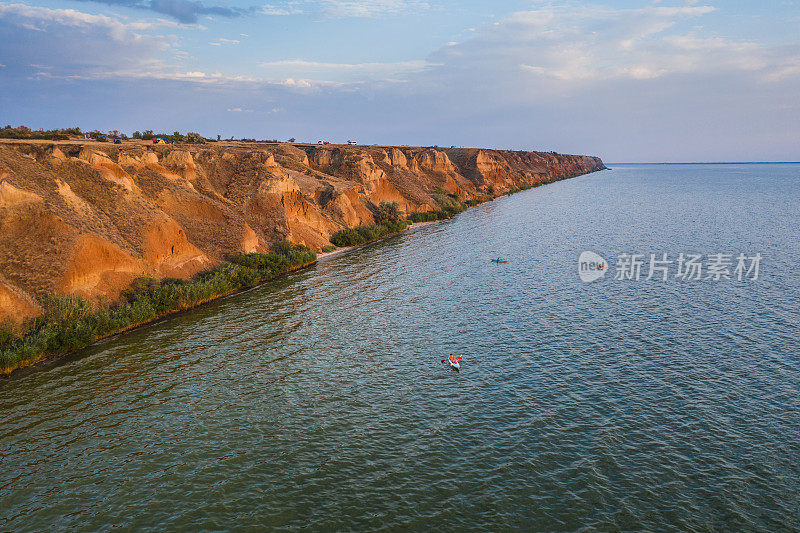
[(320, 400)]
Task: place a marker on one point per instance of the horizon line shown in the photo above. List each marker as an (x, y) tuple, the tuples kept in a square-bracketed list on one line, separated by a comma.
[(705, 163)]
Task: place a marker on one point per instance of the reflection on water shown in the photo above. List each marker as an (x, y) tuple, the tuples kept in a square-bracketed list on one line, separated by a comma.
[(320, 399)]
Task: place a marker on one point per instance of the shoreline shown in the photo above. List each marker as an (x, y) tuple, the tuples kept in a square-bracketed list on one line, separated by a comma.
[(345, 249), (52, 358), (10, 372), (49, 357)]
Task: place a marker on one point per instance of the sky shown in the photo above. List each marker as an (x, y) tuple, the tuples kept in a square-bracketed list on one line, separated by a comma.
[(630, 81)]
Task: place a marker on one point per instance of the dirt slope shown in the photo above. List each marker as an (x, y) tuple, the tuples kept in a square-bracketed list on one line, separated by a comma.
[(87, 218)]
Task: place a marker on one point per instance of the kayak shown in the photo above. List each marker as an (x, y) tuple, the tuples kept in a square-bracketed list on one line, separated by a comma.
[(499, 261), (455, 366)]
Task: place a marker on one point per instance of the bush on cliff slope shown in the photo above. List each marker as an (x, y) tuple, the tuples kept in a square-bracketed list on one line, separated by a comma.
[(389, 220), (70, 322), (388, 213), (6, 335), (364, 234), (450, 205)]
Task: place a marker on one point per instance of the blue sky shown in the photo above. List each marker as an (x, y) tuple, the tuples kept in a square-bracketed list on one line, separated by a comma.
[(626, 80)]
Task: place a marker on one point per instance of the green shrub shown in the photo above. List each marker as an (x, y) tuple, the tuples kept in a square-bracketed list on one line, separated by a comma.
[(427, 216), (24, 132), (388, 213), (364, 234), (329, 248), (6, 335), (449, 206)]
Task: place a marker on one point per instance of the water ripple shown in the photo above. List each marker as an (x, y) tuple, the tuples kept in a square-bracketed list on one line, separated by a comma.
[(320, 400)]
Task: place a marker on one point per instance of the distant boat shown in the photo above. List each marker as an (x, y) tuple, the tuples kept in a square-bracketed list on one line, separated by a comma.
[(498, 260)]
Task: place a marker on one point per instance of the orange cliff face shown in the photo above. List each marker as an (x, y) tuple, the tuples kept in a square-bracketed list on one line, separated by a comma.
[(86, 218)]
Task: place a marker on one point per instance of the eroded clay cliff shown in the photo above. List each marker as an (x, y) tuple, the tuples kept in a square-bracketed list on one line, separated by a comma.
[(88, 218)]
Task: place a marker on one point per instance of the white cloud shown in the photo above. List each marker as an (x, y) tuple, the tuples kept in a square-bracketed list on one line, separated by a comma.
[(246, 110), (166, 72), (343, 72), (222, 42), (645, 84), (291, 82), (343, 8), (72, 42), (281, 11), (369, 8), (38, 18), (579, 43), (547, 49), (156, 70), (83, 46)]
